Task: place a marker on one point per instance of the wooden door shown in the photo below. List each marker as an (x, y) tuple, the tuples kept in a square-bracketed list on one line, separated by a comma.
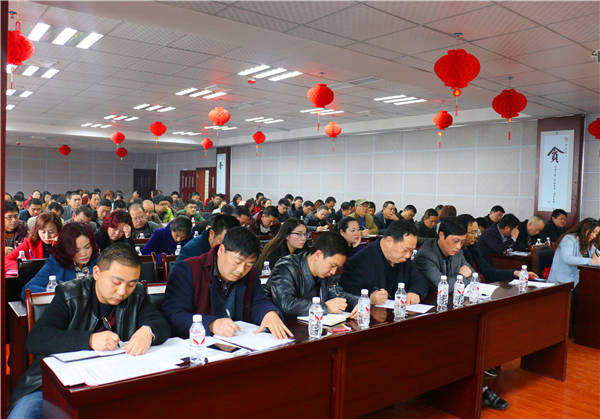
[(187, 183), (144, 181), (206, 181)]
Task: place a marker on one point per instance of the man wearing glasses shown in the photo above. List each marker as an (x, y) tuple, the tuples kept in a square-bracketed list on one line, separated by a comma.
[(15, 230)]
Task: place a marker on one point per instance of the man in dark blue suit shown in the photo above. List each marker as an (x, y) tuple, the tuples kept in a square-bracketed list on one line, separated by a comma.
[(500, 237)]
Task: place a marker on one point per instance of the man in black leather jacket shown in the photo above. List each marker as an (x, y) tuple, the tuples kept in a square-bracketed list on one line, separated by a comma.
[(79, 318), (297, 278)]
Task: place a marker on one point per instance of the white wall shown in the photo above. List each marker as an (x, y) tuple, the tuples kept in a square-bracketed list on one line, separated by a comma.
[(475, 168), (170, 164), (591, 173)]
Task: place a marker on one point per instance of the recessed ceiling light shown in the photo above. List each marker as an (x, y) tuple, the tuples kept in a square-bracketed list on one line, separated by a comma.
[(214, 95), (269, 73), (389, 97), (411, 101), (167, 109), (51, 72), (193, 134), (120, 118), (253, 70), (87, 124), (153, 108), (95, 125), (142, 106), (286, 76), (254, 119), (132, 118), (273, 121), (186, 91), (399, 100), (89, 40), (38, 31), (110, 116), (201, 93), (10, 107), (311, 110), (29, 71), (26, 93), (10, 92), (64, 36), (105, 126)]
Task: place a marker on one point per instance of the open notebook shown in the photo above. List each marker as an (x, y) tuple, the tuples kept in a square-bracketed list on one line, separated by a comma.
[(329, 319)]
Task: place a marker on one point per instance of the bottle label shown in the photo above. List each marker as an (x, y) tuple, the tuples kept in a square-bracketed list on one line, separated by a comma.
[(317, 318), (196, 341)]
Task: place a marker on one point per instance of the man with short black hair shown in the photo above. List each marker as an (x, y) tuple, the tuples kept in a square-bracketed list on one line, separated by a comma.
[(317, 220), (191, 210), (166, 239), (295, 210), (493, 217), (94, 201), (224, 287), (371, 209), (197, 199), (499, 237), (282, 207), (556, 226), (265, 223), (83, 215), (78, 317), (73, 202), (15, 230), (426, 227), (214, 203), (299, 277), (307, 208), (330, 204), (104, 208), (386, 216), (19, 201), (218, 226), (142, 228), (119, 205), (408, 213), (243, 215), (162, 206), (345, 210), (33, 209)]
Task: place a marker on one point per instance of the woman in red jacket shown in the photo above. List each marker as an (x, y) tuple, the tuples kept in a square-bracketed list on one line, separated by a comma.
[(41, 238)]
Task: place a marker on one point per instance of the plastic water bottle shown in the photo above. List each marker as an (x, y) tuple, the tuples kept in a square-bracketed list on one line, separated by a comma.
[(458, 297), (400, 303), (315, 319), (442, 294), (51, 283), (197, 340), (523, 278), (538, 242), (414, 254), (548, 243), (22, 255), (364, 309), (141, 236), (475, 291), (178, 250), (138, 249), (266, 270), (196, 233)]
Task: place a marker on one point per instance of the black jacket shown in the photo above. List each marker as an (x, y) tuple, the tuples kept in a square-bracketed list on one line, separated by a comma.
[(487, 222), (490, 243), (103, 241), (370, 269), (291, 286), (282, 217), (524, 240), (71, 318), (312, 222), (381, 223), (482, 267), (295, 213), (552, 231)]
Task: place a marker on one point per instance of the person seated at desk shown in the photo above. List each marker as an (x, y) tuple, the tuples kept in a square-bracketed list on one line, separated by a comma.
[(116, 227), (426, 227), (498, 238), (15, 230), (243, 215), (365, 220), (529, 233), (73, 202), (290, 239), (76, 319), (198, 200), (224, 287), (317, 220), (53, 208), (299, 277), (282, 208), (384, 263), (408, 213), (84, 214), (265, 222), (295, 210), (162, 207), (73, 256), (165, 240), (556, 226), (142, 228), (148, 207), (345, 210), (32, 209), (103, 209), (386, 216), (371, 208), (446, 211), (191, 210), (349, 229), (214, 203), (212, 236), (495, 215), (38, 245)]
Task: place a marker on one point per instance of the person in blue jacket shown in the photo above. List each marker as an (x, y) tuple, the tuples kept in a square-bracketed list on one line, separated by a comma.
[(73, 256), (211, 237), (165, 240)]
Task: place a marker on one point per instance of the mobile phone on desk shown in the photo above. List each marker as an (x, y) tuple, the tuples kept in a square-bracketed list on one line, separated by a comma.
[(223, 347)]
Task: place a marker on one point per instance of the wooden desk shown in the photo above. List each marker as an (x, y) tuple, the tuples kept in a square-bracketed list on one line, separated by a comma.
[(587, 315), (350, 374), (511, 262), (17, 361)]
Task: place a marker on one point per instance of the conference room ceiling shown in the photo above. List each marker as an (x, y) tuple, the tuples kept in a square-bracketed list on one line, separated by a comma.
[(362, 50)]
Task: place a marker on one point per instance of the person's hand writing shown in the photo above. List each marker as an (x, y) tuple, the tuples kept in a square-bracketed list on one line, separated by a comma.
[(412, 298), (336, 305), (354, 313), (223, 327), (514, 233), (379, 296), (364, 233), (127, 231), (273, 322), (104, 341), (322, 228), (139, 342), (595, 259), (465, 271)]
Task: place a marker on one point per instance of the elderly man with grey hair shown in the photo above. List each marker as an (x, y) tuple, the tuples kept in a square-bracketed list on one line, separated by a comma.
[(529, 232)]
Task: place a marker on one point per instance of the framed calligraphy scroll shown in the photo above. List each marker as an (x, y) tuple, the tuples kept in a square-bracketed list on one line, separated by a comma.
[(559, 168)]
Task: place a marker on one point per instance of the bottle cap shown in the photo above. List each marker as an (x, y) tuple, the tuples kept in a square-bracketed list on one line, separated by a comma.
[(316, 300), (197, 318), (444, 277), (52, 277), (524, 267), (459, 277), (475, 275), (266, 263), (364, 292), (400, 284)]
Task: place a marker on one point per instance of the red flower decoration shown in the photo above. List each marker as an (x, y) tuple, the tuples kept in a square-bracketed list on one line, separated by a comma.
[(457, 69), (594, 129), (442, 120), (18, 48), (65, 150), (117, 137), (121, 152), (508, 104), (259, 138)]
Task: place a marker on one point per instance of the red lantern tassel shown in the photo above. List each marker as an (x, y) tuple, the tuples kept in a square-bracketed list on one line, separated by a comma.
[(456, 107), (12, 74), (333, 145), (217, 136), (256, 150), (318, 120), (509, 121)]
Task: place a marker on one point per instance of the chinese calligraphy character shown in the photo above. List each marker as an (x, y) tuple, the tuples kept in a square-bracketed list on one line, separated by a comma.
[(554, 153)]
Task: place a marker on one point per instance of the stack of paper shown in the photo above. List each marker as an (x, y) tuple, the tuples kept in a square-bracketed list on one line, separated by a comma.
[(329, 319), (248, 339), (534, 284)]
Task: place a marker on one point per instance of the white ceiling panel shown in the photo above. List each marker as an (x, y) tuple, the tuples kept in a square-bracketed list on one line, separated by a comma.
[(210, 7), (204, 45), (373, 50), (320, 36), (478, 24), (502, 66), (524, 42), (556, 57), (482, 55), (204, 77), (415, 40), (119, 82), (258, 56), (125, 47), (81, 77), (546, 12), (295, 11), (256, 19), (577, 71), (588, 82), (85, 68), (30, 12), (156, 67), (60, 19), (360, 22), (544, 89), (145, 33), (526, 78), (426, 11), (415, 63), (581, 29)]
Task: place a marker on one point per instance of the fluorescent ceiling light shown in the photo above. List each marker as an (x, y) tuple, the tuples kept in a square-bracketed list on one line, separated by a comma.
[(110, 116), (105, 126), (331, 112), (212, 127), (26, 93), (201, 93), (142, 106), (10, 107), (64, 36), (132, 118), (269, 73), (186, 91), (38, 31), (214, 95), (120, 118), (411, 101), (228, 128), (177, 132), (311, 110), (167, 109), (87, 124), (286, 76), (254, 119), (10, 92), (266, 119), (95, 125), (193, 134), (89, 40), (253, 70), (399, 100), (51, 72), (153, 108), (30, 71), (273, 121), (389, 97)]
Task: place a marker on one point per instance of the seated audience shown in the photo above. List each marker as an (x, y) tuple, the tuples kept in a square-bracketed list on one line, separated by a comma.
[(119, 205), (214, 203), (529, 233), (191, 210), (41, 238), (72, 322), (19, 200), (235, 201), (265, 222), (493, 217), (83, 214), (94, 201), (212, 236), (15, 230), (116, 227), (197, 199), (349, 229), (408, 213), (162, 207), (290, 239), (317, 221), (73, 256), (243, 215), (330, 204), (447, 211), (166, 239), (384, 263), (148, 207), (32, 209), (142, 228), (371, 208), (104, 208), (386, 216), (318, 203), (73, 202), (426, 227), (224, 287), (282, 207), (46, 199), (365, 220), (307, 208), (499, 237), (346, 209), (556, 226), (295, 210)]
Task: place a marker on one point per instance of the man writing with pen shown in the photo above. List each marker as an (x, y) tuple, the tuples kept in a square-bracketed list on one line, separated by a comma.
[(92, 313), (223, 286)]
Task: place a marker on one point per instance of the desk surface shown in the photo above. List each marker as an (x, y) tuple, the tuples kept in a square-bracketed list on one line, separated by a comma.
[(587, 313), (353, 373)]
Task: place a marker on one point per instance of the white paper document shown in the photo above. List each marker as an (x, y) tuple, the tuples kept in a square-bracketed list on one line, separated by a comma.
[(329, 319), (79, 355), (534, 284), (485, 290), (517, 253), (419, 308), (387, 304), (246, 338)]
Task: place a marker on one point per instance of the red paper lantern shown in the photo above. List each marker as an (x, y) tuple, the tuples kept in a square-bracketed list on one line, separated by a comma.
[(157, 128), (508, 104), (18, 49), (333, 130), (206, 144), (320, 95), (594, 129), (251, 81), (457, 69), (121, 152), (219, 116), (259, 138), (65, 150), (442, 120), (117, 138)]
